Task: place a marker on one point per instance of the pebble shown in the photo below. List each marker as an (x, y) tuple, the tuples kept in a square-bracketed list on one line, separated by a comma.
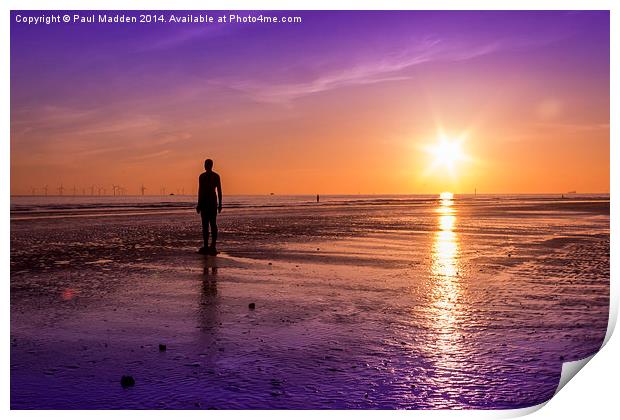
[(162, 347), (252, 306), (127, 381)]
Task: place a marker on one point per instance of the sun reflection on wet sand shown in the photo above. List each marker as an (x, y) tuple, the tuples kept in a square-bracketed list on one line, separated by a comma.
[(446, 287), (445, 244)]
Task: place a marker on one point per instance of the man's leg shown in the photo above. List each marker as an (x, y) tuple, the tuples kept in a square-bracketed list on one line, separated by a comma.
[(213, 223), (205, 228)]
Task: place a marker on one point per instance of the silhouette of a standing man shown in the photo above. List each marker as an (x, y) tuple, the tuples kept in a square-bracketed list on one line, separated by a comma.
[(209, 205)]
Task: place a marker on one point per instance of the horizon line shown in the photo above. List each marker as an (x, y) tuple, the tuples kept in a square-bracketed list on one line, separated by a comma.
[(311, 194)]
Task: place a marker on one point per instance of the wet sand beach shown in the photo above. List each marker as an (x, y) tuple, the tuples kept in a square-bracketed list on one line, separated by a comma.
[(358, 303)]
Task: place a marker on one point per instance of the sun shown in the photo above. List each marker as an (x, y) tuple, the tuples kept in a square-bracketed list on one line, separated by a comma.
[(446, 153)]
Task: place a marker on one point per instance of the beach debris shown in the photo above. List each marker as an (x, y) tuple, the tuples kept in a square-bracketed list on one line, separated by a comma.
[(162, 347), (252, 306), (276, 383), (127, 381), (194, 364), (269, 264)]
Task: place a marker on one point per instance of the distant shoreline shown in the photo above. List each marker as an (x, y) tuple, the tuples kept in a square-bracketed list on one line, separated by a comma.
[(578, 194)]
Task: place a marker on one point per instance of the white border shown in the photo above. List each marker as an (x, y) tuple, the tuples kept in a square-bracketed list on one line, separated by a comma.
[(592, 394)]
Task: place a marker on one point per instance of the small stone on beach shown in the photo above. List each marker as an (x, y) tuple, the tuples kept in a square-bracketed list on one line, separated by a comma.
[(252, 306), (127, 381), (162, 347)]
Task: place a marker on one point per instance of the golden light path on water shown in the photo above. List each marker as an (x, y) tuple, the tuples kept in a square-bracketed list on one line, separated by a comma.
[(446, 287)]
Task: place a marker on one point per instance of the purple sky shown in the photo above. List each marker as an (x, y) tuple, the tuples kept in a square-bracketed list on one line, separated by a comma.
[(106, 103)]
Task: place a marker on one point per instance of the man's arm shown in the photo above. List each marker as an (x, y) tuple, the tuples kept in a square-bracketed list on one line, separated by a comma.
[(219, 194), (199, 196)]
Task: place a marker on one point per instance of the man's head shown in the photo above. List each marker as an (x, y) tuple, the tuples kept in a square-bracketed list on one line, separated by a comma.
[(208, 164)]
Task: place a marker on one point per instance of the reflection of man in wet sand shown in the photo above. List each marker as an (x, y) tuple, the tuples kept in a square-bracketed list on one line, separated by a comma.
[(209, 309), (209, 205)]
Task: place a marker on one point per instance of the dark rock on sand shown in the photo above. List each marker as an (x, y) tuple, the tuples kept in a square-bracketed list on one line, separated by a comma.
[(127, 381), (252, 306), (162, 347)]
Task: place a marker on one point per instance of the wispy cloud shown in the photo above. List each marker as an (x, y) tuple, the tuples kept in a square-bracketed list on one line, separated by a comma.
[(572, 127), (51, 120), (38, 134), (390, 67), (182, 37)]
